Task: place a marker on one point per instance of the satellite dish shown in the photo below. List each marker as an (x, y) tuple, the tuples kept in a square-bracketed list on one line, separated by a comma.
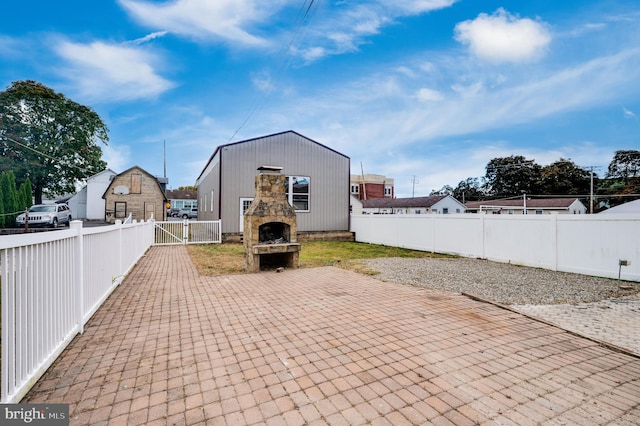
[(121, 190)]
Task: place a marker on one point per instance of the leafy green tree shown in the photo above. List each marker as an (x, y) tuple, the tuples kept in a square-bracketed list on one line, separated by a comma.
[(48, 138), (623, 174), (511, 176), (625, 165), (468, 190), (564, 177), (9, 198), (445, 190)]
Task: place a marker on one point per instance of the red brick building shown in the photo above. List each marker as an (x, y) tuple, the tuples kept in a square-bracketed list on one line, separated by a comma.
[(371, 187)]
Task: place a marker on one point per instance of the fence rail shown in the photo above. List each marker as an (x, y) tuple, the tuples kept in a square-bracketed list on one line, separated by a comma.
[(187, 232), (52, 283), (585, 244)]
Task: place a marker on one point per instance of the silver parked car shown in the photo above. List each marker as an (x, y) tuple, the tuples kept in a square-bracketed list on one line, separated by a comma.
[(188, 213), (51, 215)]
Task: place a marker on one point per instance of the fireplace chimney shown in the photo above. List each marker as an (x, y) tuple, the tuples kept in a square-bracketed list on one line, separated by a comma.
[(270, 233)]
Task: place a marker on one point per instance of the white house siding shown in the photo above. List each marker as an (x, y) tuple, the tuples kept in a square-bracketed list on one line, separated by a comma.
[(449, 203), (356, 205), (78, 204), (577, 208), (414, 206), (88, 202), (233, 168), (96, 186)]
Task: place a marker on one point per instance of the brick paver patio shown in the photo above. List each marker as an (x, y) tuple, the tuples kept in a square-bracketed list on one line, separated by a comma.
[(325, 346)]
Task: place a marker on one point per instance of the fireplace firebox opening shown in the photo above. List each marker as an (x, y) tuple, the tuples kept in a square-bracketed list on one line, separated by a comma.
[(273, 233)]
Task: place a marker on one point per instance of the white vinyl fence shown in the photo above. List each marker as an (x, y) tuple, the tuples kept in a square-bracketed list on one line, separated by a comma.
[(595, 245), (52, 283)]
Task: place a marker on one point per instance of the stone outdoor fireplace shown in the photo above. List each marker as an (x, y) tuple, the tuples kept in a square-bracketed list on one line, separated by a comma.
[(270, 233)]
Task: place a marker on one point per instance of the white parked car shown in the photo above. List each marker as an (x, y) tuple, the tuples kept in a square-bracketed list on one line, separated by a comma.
[(51, 215)]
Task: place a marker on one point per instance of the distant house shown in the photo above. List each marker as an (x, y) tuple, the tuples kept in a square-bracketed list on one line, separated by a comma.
[(88, 202), (137, 193), (369, 187), (630, 207), (437, 204), (355, 205), (531, 206), (317, 180), (182, 199)]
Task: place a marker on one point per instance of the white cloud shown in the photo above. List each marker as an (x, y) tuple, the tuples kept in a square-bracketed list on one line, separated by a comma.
[(117, 157), (628, 113), (364, 118), (503, 37), (205, 19), (587, 85), (263, 82), (347, 30), (10, 47), (427, 95), (313, 54), (421, 6), (102, 71), (149, 37)]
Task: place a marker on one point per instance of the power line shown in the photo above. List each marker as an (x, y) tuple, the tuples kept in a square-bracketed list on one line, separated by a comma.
[(257, 103), (57, 160)]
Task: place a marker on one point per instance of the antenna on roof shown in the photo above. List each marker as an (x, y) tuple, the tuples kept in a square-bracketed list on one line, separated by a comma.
[(165, 157)]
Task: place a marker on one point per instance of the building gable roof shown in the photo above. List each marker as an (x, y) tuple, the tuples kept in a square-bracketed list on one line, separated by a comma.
[(403, 202), (628, 207), (105, 171), (220, 147), (141, 170), (550, 203)]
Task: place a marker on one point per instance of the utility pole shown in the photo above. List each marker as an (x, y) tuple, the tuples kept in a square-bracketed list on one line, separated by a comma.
[(364, 184), (414, 180), (591, 168)]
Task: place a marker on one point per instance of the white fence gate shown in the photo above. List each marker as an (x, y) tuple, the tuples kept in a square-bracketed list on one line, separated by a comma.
[(187, 232)]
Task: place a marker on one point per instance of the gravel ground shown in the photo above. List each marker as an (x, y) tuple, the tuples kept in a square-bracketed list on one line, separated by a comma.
[(501, 283)]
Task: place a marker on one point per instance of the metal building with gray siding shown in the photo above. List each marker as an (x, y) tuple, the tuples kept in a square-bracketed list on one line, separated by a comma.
[(318, 175)]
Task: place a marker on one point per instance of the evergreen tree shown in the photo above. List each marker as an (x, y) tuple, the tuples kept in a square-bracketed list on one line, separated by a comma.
[(2, 220), (9, 197), (26, 195)]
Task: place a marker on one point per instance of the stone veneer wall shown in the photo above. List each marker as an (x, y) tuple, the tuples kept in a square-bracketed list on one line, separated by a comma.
[(269, 205), (150, 192)]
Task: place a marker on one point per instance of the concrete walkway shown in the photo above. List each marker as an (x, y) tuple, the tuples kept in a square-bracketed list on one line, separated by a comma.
[(614, 322), (326, 346)]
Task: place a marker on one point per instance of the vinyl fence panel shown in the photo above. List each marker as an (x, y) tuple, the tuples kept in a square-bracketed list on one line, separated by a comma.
[(52, 283), (585, 244)]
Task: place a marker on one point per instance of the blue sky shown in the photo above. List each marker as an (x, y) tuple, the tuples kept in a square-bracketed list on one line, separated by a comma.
[(431, 89)]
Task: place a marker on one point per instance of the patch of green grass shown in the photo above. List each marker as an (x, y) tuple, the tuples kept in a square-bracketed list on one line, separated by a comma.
[(223, 259)]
